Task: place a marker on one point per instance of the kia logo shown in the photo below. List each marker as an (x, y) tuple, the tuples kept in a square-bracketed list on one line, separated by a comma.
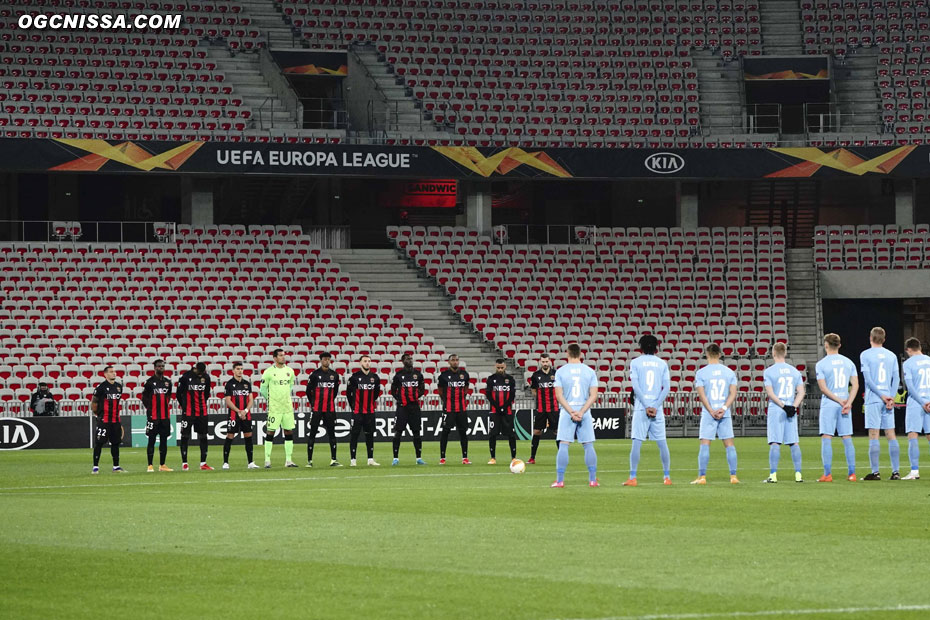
[(17, 433), (665, 163)]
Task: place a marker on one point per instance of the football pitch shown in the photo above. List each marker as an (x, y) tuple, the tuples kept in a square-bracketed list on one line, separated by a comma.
[(461, 542)]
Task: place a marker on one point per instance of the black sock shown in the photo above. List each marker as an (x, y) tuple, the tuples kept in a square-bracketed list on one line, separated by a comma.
[(248, 448), (353, 448), (513, 447), (332, 448), (464, 442), (185, 441), (443, 442), (418, 444), (114, 452), (396, 445), (535, 447), (98, 448), (370, 445), (163, 450), (150, 450), (493, 444), (227, 446), (310, 450), (203, 448)]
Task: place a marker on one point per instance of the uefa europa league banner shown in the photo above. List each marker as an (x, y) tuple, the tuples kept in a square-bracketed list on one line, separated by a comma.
[(459, 162)]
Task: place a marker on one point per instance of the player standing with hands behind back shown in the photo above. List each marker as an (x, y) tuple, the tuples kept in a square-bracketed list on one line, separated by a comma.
[(576, 391), (880, 372)]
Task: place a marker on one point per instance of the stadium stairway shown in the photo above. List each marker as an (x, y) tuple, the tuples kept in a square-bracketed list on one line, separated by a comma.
[(857, 91), (720, 98), (804, 320), (387, 276), (246, 77), (402, 113), (781, 27), (268, 18)]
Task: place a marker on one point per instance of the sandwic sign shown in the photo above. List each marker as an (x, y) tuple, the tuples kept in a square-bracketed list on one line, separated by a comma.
[(460, 162)]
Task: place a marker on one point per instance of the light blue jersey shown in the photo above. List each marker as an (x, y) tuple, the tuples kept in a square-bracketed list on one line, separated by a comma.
[(650, 379), (836, 370), (784, 380), (880, 371), (716, 380), (576, 381), (917, 382)]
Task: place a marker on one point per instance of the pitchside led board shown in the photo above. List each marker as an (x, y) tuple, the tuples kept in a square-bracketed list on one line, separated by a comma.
[(429, 193), (77, 431)]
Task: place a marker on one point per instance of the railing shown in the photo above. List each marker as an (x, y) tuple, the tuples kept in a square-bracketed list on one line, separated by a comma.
[(519, 234), (330, 237), (279, 84), (682, 409), (76, 232), (762, 118)]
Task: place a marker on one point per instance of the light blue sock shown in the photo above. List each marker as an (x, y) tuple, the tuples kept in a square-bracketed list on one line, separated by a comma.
[(850, 449), (826, 454), (703, 459), (590, 460), (796, 457), (634, 456), (875, 449), (561, 462), (664, 456), (731, 459), (913, 453), (894, 451), (774, 456)]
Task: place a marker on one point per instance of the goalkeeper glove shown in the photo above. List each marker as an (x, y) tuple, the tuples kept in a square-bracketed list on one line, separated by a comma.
[(789, 410)]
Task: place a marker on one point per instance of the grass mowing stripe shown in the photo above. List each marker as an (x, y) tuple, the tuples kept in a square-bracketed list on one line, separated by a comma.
[(768, 612)]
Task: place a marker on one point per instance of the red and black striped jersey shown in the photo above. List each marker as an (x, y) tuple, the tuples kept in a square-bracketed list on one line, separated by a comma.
[(239, 392), (156, 397), (544, 384), (453, 390), (501, 391), (408, 387), (193, 392), (363, 391), (322, 389), (109, 398)]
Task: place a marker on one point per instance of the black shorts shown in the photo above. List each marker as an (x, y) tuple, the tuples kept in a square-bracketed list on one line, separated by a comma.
[(111, 432), (500, 424), (540, 419), (455, 421), (407, 416), (197, 423), (160, 428), (235, 425), (363, 422)]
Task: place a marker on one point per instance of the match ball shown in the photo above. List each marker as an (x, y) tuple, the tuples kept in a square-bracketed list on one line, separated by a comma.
[(517, 466)]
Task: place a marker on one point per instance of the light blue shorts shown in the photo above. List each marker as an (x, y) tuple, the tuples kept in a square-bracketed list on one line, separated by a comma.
[(569, 430), (878, 416), (780, 429), (832, 420), (645, 427), (916, 420), (716, 429)]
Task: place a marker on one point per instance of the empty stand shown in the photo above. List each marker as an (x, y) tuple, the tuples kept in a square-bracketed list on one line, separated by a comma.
[(872, 247)]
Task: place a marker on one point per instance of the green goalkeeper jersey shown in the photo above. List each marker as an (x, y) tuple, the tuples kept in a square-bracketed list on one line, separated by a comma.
[(277, 385)]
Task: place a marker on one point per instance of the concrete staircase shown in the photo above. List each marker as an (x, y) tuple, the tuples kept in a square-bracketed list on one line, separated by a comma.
[(856, 86), (721, 99), (270, 20), (805, 322), (242, 70), (400, 112), (781, 27), (386, 276)]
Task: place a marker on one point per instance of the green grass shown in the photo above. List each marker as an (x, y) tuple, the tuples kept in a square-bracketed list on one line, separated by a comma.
[(454, 542)]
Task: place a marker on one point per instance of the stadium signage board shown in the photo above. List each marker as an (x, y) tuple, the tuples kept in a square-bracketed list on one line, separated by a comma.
[(461, 162), (45, 432)]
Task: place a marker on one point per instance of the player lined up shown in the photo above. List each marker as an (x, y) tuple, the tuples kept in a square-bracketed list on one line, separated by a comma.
[(649, 376)]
